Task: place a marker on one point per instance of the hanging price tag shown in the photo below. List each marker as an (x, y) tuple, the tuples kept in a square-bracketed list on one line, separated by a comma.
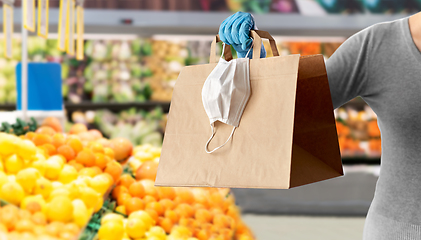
[(79, 29), (63, 24), (29, 14), (71, 39), (8, 28), (43, 18)]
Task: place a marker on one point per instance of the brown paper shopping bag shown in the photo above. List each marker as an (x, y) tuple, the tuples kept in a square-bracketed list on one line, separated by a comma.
[(286, 137)]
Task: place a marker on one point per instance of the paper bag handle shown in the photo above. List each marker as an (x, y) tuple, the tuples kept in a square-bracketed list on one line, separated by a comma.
[(257, 35), (227, 51)]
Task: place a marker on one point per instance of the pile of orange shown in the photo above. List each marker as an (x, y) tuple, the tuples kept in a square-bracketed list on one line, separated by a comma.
[(82, 150), (201, 213), (18, 224)]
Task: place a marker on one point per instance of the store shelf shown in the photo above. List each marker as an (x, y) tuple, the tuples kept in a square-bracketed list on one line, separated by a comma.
[(7, 107), (110, 106), (148, 23), (360, 160), (116, 106)]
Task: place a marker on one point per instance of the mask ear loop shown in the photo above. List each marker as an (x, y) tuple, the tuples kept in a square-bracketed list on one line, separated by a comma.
[(213, 134), (223, 50)]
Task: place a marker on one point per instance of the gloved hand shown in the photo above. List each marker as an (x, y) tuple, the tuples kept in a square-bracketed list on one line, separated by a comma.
[(235, 31)]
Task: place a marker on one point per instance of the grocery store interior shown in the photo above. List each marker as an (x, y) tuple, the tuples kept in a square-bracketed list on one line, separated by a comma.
[(85, 91)]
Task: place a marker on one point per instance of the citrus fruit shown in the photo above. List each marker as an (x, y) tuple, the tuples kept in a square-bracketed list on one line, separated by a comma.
[(147, 170), (41, 139), (114, 169), (172, 215), (8, 144), (109, 152), (100, 160), (39, 218), (3, 178), (13, 164), (203, 215), (144, 216), (27, 178), (166, 224), (147, 199), (136, 228), (153, 214), (136, 189), (144, 156), (125, 180), (12, 192), (167, 204), (24, 225), (149, 187), (185, 210), (166, 193), (157, 207), (122, 148), (61, 191), (9, 216), (78, 128), (50, 148), (39, 165), (43, 186), (100, 183), (95, 133), (111, 231), (52, 122), (75, 144), (67, 152), (89, 197), (60, 209), (133, 204), (71, 228), (67, 174), (90, 172), (117, 218), (186, 195), (81, 214), (86, 157), (26, 149), (118, 190), (52, 169), (33, 203), (121, 209), (96, 147), (46, 130), (58, 140), (156, 231)]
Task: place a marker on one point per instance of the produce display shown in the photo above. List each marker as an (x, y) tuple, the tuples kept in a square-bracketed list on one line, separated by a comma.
[(139, 126), (52, 184), (58, 180), (358, 133), (147, 212), (115, 67)]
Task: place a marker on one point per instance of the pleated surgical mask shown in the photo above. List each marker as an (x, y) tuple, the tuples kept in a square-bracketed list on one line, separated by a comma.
[(225, 94)]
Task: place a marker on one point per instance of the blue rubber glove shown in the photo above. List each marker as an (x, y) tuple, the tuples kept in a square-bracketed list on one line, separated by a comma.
[(235, 31)]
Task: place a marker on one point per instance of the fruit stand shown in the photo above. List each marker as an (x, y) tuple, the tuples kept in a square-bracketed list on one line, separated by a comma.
[(52, 184)]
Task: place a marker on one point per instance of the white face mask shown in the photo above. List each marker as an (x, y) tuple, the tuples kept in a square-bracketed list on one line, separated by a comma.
[(225, 94)]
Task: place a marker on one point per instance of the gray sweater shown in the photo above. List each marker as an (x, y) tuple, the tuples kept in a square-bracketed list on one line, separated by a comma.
[(383, 65)]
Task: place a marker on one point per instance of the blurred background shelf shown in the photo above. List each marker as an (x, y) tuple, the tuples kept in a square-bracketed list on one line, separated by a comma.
[(147, 23), (110, 106), (360, 160)]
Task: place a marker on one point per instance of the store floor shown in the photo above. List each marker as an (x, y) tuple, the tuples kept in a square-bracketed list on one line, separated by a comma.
[(305, 228)]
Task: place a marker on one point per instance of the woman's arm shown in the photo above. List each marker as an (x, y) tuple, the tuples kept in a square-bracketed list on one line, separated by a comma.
[(348, 68)]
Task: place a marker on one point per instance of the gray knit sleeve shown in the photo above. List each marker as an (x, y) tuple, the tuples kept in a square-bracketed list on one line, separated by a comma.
[(348, 68)]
